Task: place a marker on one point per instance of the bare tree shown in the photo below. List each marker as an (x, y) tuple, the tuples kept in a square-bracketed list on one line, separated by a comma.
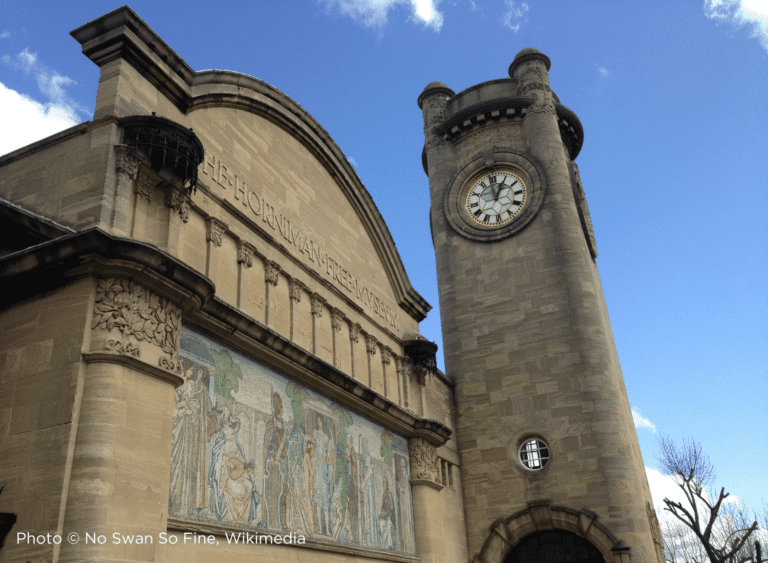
[(721, 529)]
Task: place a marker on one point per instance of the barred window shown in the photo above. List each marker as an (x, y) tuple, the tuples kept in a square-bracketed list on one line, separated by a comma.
[(534, 454)]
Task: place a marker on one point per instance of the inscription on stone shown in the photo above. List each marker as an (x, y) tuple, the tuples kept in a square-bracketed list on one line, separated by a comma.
[(240, 193)]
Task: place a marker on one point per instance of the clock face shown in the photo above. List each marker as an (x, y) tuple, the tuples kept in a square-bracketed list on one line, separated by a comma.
[(496, 198)]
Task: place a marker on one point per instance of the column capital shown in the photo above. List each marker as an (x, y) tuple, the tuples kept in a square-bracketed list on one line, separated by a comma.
[(370, 344), (317, 303), (271, 271), (424, 463), (214, 230), (127, 161), (177, 198), (245, 253), (294, 289)]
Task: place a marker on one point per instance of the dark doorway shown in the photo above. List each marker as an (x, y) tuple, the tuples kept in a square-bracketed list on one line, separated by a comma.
[(554, 546)]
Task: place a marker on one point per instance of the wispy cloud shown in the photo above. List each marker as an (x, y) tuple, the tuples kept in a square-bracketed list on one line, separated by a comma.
[(751, 13), (513, 17), (373, 13), (26, 120), (641, 422), (604, 71), (5, 34)]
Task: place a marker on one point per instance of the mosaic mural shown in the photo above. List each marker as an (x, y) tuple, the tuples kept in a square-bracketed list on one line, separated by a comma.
[(253, 448)]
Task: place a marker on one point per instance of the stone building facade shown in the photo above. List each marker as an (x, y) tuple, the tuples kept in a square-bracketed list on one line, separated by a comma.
[(192, 357)]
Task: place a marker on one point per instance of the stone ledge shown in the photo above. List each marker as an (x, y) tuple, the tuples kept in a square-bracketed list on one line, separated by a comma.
[(134, 363), (218, 530)]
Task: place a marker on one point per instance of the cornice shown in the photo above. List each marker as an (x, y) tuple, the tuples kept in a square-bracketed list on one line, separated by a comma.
[(97, 253)]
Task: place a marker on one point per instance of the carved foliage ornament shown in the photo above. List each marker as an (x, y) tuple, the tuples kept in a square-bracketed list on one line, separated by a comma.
[(245, 253), (370, 344), (336, 318), (215, 230), (424, 464), (354, 332), (137, 312), (126, 161), (295, 289), (317, 304), (177, 199), (271, 271)]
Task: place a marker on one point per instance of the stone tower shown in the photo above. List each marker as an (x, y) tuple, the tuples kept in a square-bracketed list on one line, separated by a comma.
[(550, 462)]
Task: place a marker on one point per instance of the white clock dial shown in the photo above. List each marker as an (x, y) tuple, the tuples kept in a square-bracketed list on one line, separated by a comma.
[(496, 198)]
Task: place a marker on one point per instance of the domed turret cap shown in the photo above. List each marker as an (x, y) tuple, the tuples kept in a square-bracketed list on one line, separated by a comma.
[(435, 88), (528, 54)]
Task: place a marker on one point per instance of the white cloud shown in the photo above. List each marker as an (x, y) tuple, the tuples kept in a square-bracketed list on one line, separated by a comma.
[(752, 13), (663, 486), (373, 13), (5, 34), (641, 422), (514, 15), (26, 120), (604, 71)]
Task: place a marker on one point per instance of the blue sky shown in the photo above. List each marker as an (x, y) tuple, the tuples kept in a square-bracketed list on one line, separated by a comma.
[(673, 97)]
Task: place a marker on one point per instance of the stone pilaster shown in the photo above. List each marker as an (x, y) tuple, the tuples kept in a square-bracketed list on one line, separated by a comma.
[(427, 505), (127, 162), (370, 346), (337, 317), (386, 359), (401, 367), (271, 277), (354, 338), (295, 289), (317, 303), (214, 236), (177, 199), (245, 255)]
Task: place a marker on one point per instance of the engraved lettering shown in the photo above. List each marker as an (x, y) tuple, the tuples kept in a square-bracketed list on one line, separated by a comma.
[(280, 224), (240, 188), (256, 208), (223, 178), (211, 163)]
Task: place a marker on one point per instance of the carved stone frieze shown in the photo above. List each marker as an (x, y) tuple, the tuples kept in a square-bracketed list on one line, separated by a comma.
[(386, 355), (535, 83), (168, 363), (127, 349), (214, 230), (295, 289), (371, 344), (317, 303), (245, 253), (505, 136), (424, 461), (271, 271), (138, 313), (126, 161), (177, 198)]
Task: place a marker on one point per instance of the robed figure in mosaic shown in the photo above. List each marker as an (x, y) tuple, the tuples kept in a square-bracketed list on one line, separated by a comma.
[(234, 496), (188, 489), (274, 465)]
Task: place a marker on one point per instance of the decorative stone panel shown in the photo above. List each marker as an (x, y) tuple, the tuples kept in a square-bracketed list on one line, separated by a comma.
[(128, 319), (271, 271), (317, 304), (126, 161), (245, 253), (215, 230), (424, 466), (177, 198)]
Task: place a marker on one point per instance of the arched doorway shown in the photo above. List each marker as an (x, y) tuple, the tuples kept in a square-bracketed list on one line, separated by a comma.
[(554, 546)]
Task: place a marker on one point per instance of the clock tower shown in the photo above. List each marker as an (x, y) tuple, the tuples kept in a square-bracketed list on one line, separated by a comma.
[(550, 462)]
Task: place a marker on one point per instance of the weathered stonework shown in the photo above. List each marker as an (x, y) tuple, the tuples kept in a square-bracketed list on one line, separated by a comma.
[(215, 230)]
